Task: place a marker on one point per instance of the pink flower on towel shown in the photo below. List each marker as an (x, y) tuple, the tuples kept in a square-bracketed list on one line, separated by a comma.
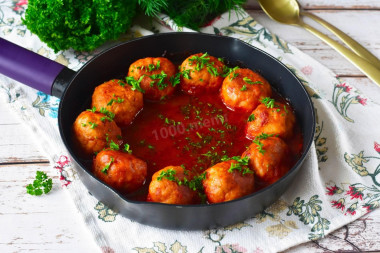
[(355, 193), (361, 100), (352, 209), (333, 190), (345, 87), (106, 249), (339, 204), (20, 5), (307, 70), (376, 146), (371, 206)]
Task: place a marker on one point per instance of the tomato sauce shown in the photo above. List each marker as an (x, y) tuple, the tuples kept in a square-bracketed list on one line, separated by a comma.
[(192, 131)]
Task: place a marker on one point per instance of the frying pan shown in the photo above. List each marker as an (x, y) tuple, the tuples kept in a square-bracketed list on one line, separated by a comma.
[(75, 90)]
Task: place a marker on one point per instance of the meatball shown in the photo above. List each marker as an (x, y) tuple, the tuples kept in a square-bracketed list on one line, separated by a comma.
[(92, 131), (243, 89), (201, 73), (122, 171), (118, 98), (157, 76), (164, 187), (278, 120), (269, 158), (221, 185)]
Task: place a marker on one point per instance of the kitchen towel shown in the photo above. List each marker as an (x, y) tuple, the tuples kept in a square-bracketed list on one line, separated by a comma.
[(339, 181)]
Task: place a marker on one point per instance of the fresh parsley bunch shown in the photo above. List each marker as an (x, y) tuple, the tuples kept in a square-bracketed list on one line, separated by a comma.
[(78, 24), (42, 184), (196, 13), (86, 24)]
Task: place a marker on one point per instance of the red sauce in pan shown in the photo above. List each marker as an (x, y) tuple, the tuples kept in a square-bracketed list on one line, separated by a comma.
[(193, 131)]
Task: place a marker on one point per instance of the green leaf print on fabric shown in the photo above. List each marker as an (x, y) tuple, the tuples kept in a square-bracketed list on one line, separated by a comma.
[(217, 235), (320, 142), (44, 103), (308, 213), (283, 227), (160, 247), (105, 213), (342, 99), (246, 27), (358, 196)]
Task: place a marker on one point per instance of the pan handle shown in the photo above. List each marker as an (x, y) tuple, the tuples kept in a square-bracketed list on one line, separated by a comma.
[(33, 69)]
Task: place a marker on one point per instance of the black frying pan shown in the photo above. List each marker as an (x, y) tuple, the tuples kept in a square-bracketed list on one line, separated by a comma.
[(75, 90)]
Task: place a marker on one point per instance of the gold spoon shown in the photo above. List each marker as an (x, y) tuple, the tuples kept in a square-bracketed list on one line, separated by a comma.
[(288, 12), (351, 43)]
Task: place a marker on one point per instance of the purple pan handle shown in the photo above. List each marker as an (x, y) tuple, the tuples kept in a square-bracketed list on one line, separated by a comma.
[(28, 67)]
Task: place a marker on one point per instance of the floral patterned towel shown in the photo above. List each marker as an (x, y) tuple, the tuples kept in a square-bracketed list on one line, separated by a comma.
[(339, 183)]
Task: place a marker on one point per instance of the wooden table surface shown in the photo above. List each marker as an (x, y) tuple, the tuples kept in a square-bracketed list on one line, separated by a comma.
[(52, 224)]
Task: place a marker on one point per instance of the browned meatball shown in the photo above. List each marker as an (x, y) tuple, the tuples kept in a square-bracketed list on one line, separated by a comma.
[(118, 98), (165, 188), (92, 132), (122, 171), (269, 158), (201, 73), (157, 76), (243, 89), (221, 185), (278, 120)]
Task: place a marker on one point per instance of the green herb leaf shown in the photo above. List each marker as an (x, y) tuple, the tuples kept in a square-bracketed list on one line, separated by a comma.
[(107, 166), (114, 146), (241, 165), (81, 25), (268, 102), (251, 118), (42, 184), (127, 148), (135, 83)]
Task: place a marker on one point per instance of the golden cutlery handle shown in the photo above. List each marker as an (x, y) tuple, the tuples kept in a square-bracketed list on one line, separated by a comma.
[(351, 43), (367, 68)]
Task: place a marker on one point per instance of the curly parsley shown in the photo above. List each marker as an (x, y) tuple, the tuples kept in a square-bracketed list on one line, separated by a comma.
[(42, 184)]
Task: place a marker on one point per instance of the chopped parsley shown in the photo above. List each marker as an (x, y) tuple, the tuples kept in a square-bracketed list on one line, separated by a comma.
[(117, 100), (108, 114), (259, 144), (127, 149), (135, 84), (234, 75), (249, 81), (93, 109), (194, 184), (92, 125), (159, 79), (176, 79), (221, 118), (227, 71), (241, 165), (186, 73), (107, 166), (167, 174), (244, 88), (251, 118), (114, 146), (204, 61), (286, 110), (268, 102)]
